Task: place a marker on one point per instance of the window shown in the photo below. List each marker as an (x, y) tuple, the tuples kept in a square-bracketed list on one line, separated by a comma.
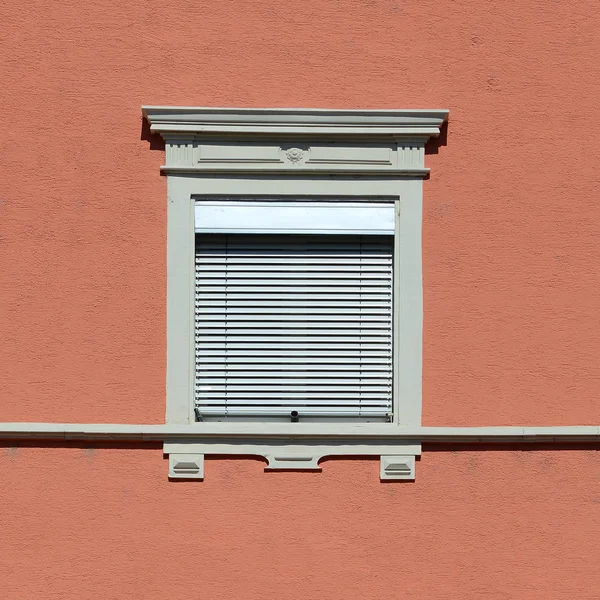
[(294, 327), (294, 312)]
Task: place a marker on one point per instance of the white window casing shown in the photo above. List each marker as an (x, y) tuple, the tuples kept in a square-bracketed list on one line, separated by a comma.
[(281, 181)]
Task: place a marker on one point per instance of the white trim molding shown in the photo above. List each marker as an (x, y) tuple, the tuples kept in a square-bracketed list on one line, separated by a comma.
[(254, 432), (308, 162), (288, 446), (294, 121)]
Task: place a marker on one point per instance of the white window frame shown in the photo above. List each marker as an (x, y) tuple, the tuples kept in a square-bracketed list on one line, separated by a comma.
[(291, 154)]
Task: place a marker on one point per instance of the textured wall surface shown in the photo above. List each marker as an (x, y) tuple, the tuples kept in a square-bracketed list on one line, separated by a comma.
[(512, 301), (105, 523)]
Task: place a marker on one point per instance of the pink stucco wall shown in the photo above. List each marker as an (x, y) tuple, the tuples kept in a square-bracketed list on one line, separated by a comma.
[(512, 301), (105, 523)]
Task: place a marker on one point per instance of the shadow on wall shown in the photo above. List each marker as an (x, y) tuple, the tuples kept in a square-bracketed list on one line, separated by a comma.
[(434, 144), (154, 139), (427, 447), (8, 444), (510, 447)]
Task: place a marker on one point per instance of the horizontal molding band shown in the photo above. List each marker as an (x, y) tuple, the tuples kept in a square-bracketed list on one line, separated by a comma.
[(362, 131), (298, 171), (312, 117), (257, 432), (186, 121)]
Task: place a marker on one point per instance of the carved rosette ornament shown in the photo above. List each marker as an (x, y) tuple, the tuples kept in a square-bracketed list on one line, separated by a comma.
[(294, 155)]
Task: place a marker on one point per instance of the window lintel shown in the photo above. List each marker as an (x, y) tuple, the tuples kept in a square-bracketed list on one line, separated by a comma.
[(260, 140)]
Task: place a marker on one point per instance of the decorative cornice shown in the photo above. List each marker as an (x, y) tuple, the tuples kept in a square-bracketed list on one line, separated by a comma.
[(295, 141), (168, 120)]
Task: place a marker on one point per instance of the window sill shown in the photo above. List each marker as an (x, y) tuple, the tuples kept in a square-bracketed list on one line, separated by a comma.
[(296, 445)]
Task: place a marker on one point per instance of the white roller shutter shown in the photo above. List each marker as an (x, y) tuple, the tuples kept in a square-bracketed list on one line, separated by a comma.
[(293, 323)]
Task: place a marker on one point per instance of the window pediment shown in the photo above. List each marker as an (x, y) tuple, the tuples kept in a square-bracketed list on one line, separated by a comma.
[(218, 140)]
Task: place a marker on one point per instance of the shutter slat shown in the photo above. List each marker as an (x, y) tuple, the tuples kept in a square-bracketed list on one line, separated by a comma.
[(240, 314), (284, 296), (284, 389), (287, 305), (324, 378), (293, 322), (316, 347), (273, 397), (291, 355), (320, 369), (296, 326), (302, 363), (291, 403), (296, 334), (316, 271), (301, 271), (260, 412), (292, 287)]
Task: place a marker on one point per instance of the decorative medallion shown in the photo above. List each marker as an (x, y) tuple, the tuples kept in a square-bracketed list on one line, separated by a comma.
[(294, 154)]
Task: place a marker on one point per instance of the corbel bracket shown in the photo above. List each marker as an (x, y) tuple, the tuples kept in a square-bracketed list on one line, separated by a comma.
[(397, 467), (186, 458), (186, 466)]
